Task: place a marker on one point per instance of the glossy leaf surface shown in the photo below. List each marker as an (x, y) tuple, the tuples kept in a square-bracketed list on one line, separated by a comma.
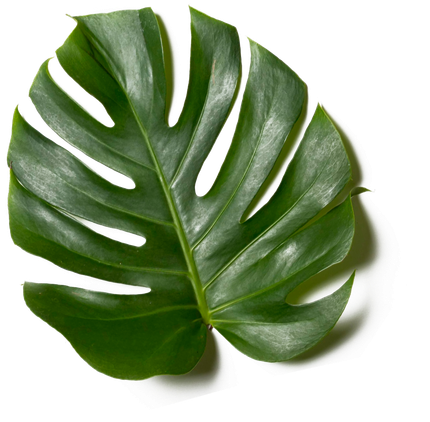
[(203, 263)]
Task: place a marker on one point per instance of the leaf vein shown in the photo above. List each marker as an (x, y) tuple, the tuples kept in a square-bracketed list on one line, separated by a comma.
[(272, 286), (143, 315), (237, 188), (263, 233)]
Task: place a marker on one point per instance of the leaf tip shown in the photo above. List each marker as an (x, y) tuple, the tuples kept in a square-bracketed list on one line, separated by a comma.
[(359, 190)]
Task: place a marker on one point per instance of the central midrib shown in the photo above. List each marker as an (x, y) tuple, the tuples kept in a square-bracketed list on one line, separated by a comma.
[(193, 273)]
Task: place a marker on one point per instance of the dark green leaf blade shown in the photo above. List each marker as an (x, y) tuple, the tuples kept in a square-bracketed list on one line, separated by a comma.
[(128, 337), (71, 245), (203, 263), (319, 170), (283, 338), (314, 248), (253, 307), (215, 68), (272, 103), (49, 186)]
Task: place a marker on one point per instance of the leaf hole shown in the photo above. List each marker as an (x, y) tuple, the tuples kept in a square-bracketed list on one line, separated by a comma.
[(174, 66), (276, 174), (212, 165), (116, 178), (118, 235), (318, 286), (111, 175), (32, 117), (89, 103), (63, 278), (122, 236), (114, 234)]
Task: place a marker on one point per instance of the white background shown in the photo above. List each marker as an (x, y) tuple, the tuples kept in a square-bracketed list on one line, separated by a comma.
[(384, 224)]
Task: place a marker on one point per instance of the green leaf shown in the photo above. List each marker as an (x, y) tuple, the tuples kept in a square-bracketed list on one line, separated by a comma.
[(203, 264)]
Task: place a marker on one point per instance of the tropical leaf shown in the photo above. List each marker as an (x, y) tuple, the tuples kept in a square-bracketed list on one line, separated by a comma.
[(204, 265)]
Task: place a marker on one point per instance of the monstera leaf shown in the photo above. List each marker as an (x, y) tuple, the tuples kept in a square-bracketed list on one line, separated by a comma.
[(204, 264)]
